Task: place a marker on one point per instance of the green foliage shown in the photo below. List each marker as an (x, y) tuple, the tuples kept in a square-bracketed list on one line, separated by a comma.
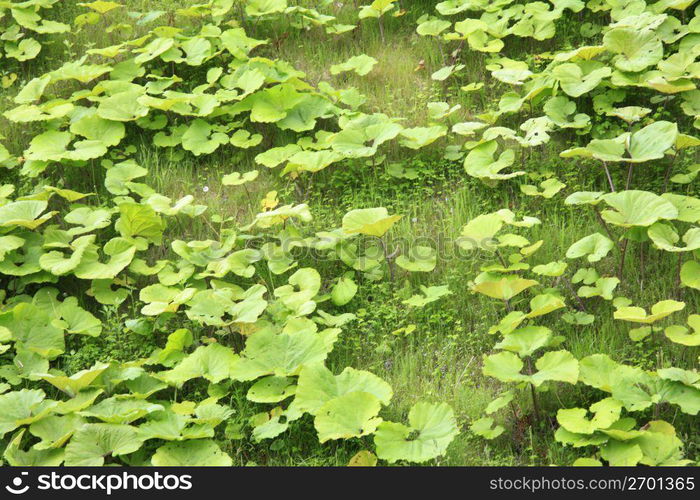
[(142, 324)]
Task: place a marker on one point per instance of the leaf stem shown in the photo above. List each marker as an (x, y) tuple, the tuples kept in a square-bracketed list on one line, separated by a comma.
[(605, 226), (622, 259), (610, 181), (629, 175)]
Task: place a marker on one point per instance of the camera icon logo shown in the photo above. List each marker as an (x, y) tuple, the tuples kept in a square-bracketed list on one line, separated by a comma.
[(16, 488)]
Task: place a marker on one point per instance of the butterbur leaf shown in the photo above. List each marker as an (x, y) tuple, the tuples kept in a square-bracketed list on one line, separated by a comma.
[(120, 174), (525, 341), (35, 330), (544, 304), (200, 138), (500, 402), (637, 334), (419, 259), (603, 287), (578, 318), (343, 291), (271, 389), (690, 274), (243, 139), (265, 7), (361, 65), (22, 407), (213, 362), (660, 445), (636, 49), (630, 114), (160, 299), (688, 207), (123, 106), (17, 457), (580, 78), (599, 371), (116, 410), (431, 428), (57, 264), (236, 179), (549, 188), (351, 415), (92, 127), (682, 335), (303, 286), (317, 385), (621, 453), (419, 137), (363, 458), (556, 268), (658, 311), (91, 443), (482, 164), (665, 237), (484, 428), (505, 366), (430, 294), (587, 462), (480, 231), (508, 323), (369, 221), (605, 413), (637, 208), (101, 6), (193, 453), (78, 381), (594, 247), (505, 288), (282, 354), (560, 366), (78, 320), (652, 141), (24, 213)]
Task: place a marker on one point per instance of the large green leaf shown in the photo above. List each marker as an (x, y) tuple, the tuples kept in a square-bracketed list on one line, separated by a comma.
[(361, 65), (594, 247), (580, 78), (24, 213), (317, 385), (659, 311), (351, 415), (17, 457), (91, 443), (431, 428), (636, 49), (22, 408), (78, 381), (482, 164), (690, 274), (637, 208), (282, 354), (200, 452), (369, 221), (682, 335), (504, 288), (605, 413), (213, 362)]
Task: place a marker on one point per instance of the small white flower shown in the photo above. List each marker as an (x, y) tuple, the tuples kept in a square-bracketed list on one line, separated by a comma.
[(414, 220), (205, 189)]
